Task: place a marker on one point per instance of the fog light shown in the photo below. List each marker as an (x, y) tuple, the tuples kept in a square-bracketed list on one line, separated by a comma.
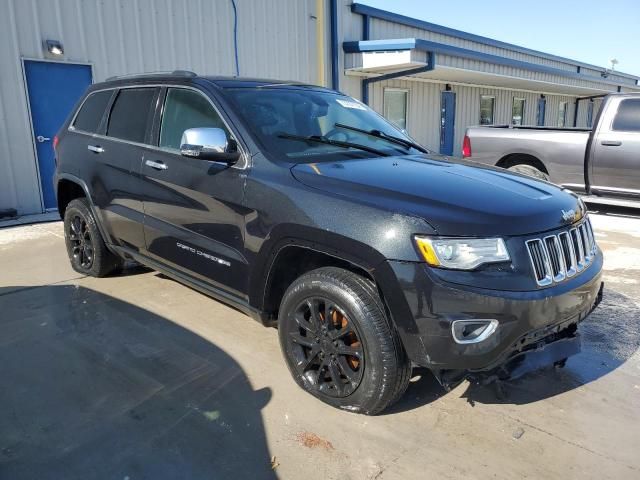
[(473, 330)]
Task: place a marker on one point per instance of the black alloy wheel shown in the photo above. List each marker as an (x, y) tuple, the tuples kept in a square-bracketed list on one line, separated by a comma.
[(86, 248), (326, 347), (338, 342), (82, 247)]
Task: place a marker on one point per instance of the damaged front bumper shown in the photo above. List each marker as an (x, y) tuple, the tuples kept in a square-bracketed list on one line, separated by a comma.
[(530, 329), (542, 348)]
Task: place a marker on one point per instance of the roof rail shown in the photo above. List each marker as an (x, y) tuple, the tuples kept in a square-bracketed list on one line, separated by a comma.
[(176, 73)]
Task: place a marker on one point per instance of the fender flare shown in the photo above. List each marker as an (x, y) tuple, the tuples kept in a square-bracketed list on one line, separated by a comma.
[(337, 246), (82, 184)]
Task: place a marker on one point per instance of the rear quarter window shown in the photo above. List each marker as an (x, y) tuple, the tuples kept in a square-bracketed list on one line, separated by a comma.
[(628, 116), (130, 114), (92, 110)]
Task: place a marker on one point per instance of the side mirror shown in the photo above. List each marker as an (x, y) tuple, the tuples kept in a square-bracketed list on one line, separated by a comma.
[(209, 144)]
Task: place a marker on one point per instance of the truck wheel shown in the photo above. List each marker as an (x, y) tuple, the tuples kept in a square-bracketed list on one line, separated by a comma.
[(86, 249), (526, 169), (339, 344)]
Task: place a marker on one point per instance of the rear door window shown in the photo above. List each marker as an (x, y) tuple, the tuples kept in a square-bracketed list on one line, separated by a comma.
[(628, 116), (184, 109), (130, 114), (92, 110)]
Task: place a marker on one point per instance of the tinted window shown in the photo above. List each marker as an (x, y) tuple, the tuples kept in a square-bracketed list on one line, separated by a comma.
[(628, 116), (89, 116), (128, 119), (184, 109)]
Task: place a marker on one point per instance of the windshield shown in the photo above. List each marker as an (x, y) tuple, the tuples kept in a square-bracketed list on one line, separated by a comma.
[(281, 119)]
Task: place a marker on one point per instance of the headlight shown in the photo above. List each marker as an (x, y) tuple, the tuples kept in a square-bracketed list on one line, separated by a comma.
[(462, 253)]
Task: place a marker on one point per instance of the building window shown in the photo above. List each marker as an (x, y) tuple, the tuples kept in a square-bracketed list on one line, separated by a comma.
[(395, 105), (562, 114), (487, 103), (517, 111), (590, 114)]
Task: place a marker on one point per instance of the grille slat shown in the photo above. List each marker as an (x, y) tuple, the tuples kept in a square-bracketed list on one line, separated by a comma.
[(558, 257)]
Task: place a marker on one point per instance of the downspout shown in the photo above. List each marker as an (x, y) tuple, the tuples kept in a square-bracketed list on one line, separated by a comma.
[(575, 113), (335, 54), (366, 34), (320, 26), (366, 27), (235, 36)]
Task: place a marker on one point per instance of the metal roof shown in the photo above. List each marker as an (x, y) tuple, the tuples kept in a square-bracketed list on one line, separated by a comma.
[(432, 27), (441, 48)]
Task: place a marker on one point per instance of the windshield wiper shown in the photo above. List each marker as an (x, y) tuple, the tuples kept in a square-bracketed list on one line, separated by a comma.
[(336, 143), (384, 136)]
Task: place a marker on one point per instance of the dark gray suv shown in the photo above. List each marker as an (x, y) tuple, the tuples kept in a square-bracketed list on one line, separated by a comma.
[(308, 211)]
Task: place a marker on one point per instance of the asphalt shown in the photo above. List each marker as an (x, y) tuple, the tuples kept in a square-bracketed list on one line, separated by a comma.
[(138, 377)]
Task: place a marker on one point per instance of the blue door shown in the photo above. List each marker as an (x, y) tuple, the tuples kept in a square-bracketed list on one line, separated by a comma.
[(447, 122), (542, 103), (53, 90)]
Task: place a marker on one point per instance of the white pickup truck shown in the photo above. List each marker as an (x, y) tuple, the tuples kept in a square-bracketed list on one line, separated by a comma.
[(602, 163)]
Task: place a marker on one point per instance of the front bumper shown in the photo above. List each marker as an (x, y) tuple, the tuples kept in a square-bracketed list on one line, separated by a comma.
[(527, 321)]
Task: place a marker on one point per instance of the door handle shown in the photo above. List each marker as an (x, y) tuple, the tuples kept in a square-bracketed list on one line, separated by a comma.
[(42, 139), (156, 165), (95, 148), (611, 143)]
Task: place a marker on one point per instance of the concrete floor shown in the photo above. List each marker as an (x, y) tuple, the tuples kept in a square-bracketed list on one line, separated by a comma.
[(137, 376)]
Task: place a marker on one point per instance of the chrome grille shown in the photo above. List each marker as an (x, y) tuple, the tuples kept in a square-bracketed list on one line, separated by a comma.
[(555, 258)]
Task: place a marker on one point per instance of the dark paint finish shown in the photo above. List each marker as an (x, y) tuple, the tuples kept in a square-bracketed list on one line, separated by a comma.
[(458, 199), (435, 304), (222, 229)]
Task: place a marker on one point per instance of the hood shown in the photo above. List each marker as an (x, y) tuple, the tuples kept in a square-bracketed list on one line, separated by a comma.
[(455, 197)]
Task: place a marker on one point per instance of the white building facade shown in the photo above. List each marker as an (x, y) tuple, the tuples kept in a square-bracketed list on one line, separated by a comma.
[(431, 80)]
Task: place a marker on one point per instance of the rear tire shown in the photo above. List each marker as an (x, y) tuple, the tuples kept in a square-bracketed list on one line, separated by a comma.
[(529, 170), (339, 343), (87, 251)]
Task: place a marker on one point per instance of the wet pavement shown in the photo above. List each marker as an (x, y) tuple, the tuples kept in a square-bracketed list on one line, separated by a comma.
[(138, 377)]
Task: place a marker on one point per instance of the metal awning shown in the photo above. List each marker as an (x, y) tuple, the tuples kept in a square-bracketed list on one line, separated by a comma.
[(389, 58)]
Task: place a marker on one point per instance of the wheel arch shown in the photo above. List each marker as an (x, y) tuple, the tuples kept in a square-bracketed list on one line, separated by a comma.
[(293, 253), (522, 158), (68, 188)]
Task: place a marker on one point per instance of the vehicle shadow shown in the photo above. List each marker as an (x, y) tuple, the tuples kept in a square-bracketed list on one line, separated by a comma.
[(610, 336), (614, 211), (94, 387)]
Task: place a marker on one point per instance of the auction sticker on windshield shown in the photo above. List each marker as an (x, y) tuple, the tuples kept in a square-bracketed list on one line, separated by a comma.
[(350, 104)]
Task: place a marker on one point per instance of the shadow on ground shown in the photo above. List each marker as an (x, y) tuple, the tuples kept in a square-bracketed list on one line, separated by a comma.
[(94, 387), (614, 211), (610, 336)]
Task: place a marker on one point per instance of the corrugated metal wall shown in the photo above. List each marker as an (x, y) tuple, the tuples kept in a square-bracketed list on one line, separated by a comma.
[(423, 119), (276, 40)]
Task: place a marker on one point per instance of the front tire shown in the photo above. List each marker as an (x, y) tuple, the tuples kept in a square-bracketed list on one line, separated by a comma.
[(87, 251), (339, 344)]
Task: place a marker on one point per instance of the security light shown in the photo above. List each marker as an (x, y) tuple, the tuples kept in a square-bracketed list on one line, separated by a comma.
[(54, 47)]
